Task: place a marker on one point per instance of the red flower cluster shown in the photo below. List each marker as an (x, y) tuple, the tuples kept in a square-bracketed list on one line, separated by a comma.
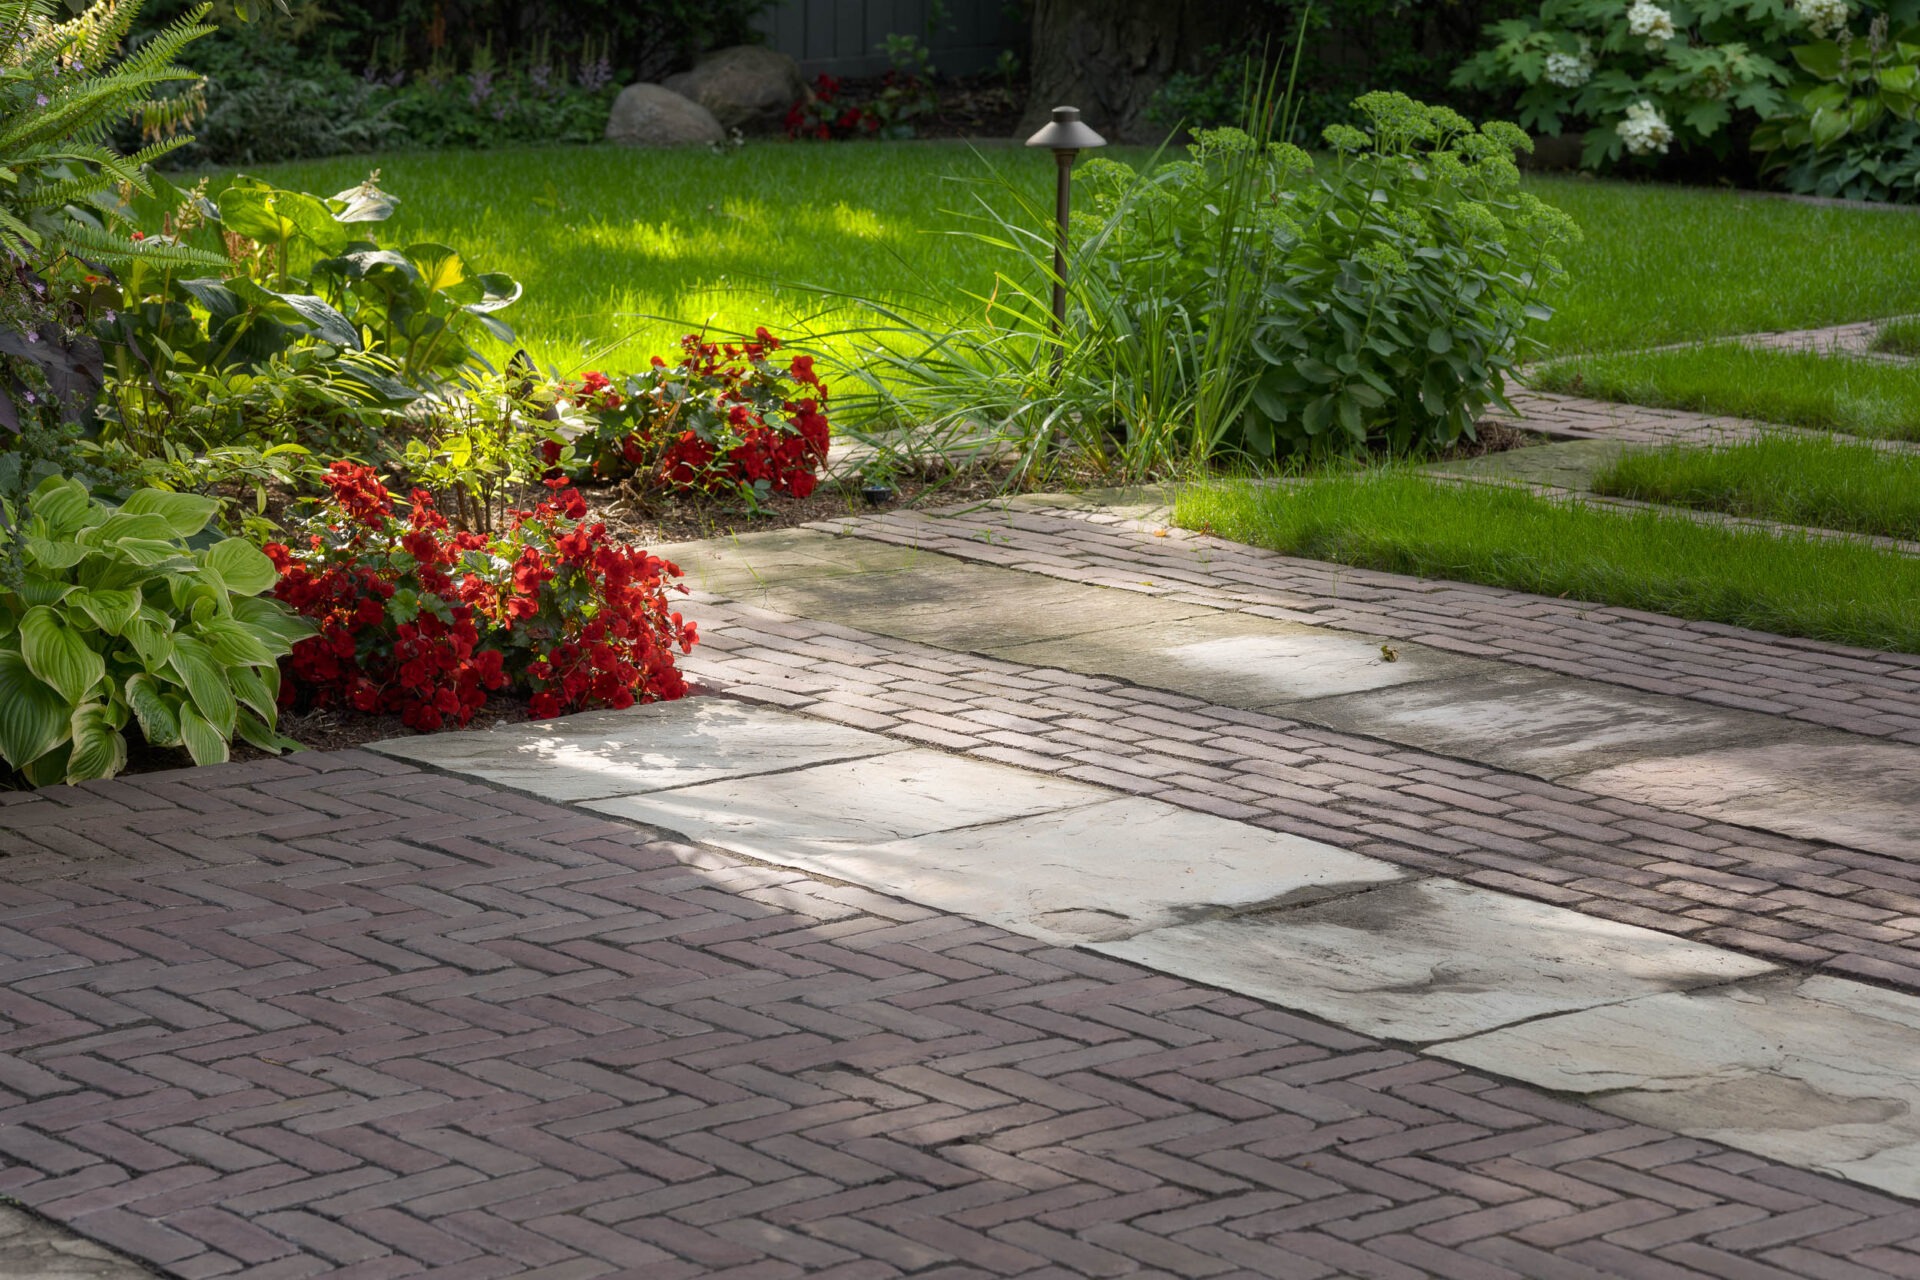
[(423, 621), (822, 116), (725, 418)]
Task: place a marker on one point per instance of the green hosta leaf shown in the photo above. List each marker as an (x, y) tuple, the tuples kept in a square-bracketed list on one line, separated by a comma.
[(62, 505), (242, 566), (34, 719), (440, 267), (99, 750), (147, 526), (206, 684), (159, 721), (261, 734), (59, 654), (272, 618), (253, 691), (152, 640), (234, 646), (206, 744), (38, 589), (1821, 59), (51, 556), (185, 513), (110, 610)]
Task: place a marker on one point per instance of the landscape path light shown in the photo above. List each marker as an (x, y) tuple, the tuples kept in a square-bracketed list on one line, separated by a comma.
[(1066, 137)]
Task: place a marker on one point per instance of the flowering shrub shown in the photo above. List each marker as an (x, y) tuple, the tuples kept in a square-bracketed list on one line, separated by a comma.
[(905, 94), (419, 620), (822, 116), (727, 418), (1645, 75)]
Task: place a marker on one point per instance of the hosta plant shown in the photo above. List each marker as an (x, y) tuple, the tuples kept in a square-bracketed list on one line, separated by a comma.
[(119, 621)]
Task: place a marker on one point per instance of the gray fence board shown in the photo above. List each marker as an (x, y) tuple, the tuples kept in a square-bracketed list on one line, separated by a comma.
[(847, 37)]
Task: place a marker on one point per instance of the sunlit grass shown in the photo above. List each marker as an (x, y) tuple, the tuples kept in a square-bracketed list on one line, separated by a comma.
[(1823, 482), (605, 238), (1843, 591), (1797, 388)]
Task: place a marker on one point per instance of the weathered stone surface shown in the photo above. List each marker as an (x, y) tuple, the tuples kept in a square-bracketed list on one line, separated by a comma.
[(786, 817), (746, 86), (32, 1248), (1818, 1072), (1244, 661), (663, 744), (1541, 724), (649, 115), (1569, 464), (1862, 794), (752, 567), (1432, 960), (1104, 871)]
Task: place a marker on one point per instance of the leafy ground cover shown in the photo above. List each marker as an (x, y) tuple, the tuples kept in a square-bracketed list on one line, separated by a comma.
[(1798, 388), (1847, 592), (605, 239), (1823, 482), (1899, 337)]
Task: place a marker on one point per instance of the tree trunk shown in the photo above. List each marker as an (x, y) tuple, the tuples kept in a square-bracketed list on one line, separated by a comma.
[(1108, 57)]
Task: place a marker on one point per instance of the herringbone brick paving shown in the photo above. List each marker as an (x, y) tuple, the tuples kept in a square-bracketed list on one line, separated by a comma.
[(1862, 691), (1797, 902), (336, 1016)]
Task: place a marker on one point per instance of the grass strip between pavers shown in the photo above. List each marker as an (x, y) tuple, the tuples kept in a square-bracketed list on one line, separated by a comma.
[(1898, 337), (1824, 482), (1844, 592), (1795, 388)]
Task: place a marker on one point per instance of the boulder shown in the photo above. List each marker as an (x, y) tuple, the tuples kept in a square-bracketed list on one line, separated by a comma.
[(747, 86), (649, 115)]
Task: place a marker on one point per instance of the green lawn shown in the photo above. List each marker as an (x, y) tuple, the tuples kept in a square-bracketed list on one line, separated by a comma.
[(1849, 592), (1798, 388), (1899, 337), (1823, 482), (604, 237)]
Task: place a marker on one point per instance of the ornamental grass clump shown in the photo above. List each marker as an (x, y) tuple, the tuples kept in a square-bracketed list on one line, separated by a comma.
[(1247, 302), (424, 621)]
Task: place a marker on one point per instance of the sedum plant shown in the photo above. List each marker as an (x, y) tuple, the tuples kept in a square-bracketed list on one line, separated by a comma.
[(117, 620)]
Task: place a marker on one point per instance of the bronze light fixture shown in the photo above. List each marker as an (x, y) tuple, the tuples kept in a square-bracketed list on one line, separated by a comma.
[(1066, 137)]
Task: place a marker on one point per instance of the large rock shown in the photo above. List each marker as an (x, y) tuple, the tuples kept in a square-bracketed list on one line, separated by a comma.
[(746, 86), (650, 115)]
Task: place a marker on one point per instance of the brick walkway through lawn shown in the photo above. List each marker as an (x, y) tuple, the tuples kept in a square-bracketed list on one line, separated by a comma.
[(336, 1016)]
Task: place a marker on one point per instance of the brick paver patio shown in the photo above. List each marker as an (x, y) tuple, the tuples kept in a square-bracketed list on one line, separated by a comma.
[(338, 1016)]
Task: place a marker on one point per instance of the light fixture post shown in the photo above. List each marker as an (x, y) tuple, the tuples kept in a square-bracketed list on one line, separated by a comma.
[(1066, 137)]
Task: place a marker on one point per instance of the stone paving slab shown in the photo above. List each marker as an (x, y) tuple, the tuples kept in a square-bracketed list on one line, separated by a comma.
[(1549, 726), (1817, 1071), (31, 1248), (1862, 691), (1435, 960), (1244, 661), (1863, 795), (1798, 901), (363, 1021), (907, 793), (606, 753)]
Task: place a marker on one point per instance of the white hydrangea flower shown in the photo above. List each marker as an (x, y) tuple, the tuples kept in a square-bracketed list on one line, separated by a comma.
[(1567, 70), (1645, 18), (1824, 17), (1645, 130)]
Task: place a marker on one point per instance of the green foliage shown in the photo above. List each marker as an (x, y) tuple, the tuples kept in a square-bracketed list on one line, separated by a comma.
[(1823, 482), (485, 444), (1795, 388), (1899, 337), (1852, 132), (1239, 302), (119, 620), (1846, 592)]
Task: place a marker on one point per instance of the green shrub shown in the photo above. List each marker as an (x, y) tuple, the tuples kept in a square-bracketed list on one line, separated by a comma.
[(119, 620), (1241, 303)]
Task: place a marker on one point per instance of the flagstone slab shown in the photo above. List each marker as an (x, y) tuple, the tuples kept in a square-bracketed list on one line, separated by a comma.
[(1432, 960), (646, 748), (785, 817), (744, 564), (1818, 1072), (1542, 724), (1865, 795), (1103, 871), (1238, 660)]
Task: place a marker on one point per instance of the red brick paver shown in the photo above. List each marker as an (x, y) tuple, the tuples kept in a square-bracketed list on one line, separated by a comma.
[(335, 1016)]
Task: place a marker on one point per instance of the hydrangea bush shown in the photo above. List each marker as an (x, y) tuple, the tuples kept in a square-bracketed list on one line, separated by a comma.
[(1642, 77)]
